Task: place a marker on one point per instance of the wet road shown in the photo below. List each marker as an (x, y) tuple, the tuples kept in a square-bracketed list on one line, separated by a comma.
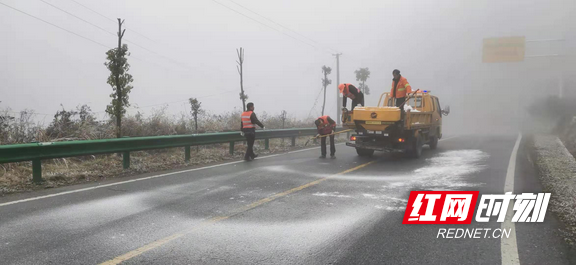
[(283, 209)]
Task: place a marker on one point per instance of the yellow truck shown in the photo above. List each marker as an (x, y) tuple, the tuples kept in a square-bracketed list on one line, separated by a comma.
[(386, 128)]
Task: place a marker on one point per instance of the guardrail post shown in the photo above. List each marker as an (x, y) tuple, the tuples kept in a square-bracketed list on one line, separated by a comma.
[(293, 140), (37, 171), (231, 148), (187, 153), (267, 144), (126, 160)]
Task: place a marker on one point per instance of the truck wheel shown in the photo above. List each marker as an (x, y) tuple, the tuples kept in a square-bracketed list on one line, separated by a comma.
[(433, 142), (364, 152), (416, 148)]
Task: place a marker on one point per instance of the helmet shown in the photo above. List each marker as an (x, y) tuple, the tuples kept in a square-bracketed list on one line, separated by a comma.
[(341, 87)]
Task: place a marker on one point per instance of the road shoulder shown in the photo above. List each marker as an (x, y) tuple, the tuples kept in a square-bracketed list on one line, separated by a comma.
[(555, 168), (538, 243)]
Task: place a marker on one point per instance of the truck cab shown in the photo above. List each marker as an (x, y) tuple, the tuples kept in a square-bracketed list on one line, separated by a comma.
[(387, 128)]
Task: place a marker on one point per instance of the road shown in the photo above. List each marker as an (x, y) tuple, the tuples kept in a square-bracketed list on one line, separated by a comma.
[(288, 208)]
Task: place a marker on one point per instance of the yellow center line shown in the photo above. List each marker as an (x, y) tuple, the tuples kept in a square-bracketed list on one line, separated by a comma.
[(214, 220)]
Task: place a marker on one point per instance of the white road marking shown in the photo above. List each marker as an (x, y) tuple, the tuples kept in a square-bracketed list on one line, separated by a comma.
[(508, 246), (153, 177)]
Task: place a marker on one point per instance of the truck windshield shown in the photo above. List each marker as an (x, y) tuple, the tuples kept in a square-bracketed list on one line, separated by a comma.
[(390, 102), (418, 102)]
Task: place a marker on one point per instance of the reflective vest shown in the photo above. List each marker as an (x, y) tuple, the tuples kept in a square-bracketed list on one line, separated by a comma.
[(325, 127), (324, 121), (346, 92), (401, 88), (246, 122)]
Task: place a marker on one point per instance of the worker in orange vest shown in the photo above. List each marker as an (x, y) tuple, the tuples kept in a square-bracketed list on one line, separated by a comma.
[(353, 93), (248, 130), (326, 126), (400, 88)]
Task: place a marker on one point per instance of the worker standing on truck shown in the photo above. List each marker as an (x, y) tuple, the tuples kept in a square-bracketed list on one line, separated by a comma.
[(350, 91), (326, 126), (248, 130), (400, 89)]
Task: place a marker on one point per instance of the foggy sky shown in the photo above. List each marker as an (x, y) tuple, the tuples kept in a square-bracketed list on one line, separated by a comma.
[(436, 44)]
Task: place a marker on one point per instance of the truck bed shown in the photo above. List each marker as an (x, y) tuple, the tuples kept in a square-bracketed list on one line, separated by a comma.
[(379, 118)]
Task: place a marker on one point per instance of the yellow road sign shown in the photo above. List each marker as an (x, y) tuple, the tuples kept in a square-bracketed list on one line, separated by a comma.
[(508, 49)]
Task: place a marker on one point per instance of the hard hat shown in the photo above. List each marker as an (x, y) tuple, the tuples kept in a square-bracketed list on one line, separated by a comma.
[(341, 87)]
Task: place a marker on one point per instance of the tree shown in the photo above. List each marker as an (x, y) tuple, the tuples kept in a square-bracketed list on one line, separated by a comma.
[(364, 88), (325, 82), (283, 115), (362, 75), (243, 96), (119, 80), (194, 110)]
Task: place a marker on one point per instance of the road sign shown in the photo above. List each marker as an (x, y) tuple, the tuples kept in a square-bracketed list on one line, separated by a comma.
[(499, 50)]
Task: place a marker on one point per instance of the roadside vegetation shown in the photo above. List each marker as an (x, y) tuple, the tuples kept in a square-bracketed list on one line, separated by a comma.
[(556, 116), (80, 124), (554, 155)]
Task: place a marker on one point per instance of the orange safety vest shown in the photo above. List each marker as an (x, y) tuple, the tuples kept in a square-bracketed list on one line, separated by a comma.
[(325, 127), (324, 120), (402, 88), (246, 122), (346, 91)]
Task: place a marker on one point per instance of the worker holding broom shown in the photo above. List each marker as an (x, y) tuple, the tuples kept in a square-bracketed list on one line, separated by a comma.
[(326, 126), (248, 129)]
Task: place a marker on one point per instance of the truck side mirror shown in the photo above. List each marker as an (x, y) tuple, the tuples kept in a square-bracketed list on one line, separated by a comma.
[(446, 110)]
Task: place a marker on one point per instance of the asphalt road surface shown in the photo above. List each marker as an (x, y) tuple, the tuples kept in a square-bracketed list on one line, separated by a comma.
[(283, 209)]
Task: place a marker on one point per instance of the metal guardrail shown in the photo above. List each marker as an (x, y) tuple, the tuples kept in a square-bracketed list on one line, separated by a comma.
[(36, 152)]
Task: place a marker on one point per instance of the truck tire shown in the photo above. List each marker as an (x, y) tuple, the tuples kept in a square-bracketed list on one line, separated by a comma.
[(416, 147), (433, 142), (364, 152)]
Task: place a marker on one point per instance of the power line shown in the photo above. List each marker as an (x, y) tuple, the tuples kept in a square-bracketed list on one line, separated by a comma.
[(127, 41), (85, 21), (281, 25), (266, 25), (94, 11), (108, 18), (54, 25), (316, 101), (76, 34)]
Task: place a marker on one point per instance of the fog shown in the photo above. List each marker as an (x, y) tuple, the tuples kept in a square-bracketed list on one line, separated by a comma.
[(182, 49)]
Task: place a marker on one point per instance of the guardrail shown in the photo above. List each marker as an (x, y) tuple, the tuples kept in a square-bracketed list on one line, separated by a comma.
[(36, 152)]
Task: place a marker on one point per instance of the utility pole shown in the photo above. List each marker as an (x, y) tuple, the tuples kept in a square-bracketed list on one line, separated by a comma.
[(118, 89), (338, 99)]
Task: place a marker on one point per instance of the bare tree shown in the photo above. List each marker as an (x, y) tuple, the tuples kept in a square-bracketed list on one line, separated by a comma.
[(243, 96), (325, 82)]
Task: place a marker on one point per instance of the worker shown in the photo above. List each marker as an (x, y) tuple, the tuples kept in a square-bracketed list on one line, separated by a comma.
[(248, 130), (400, 89), (350, 91), (326, 127)]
